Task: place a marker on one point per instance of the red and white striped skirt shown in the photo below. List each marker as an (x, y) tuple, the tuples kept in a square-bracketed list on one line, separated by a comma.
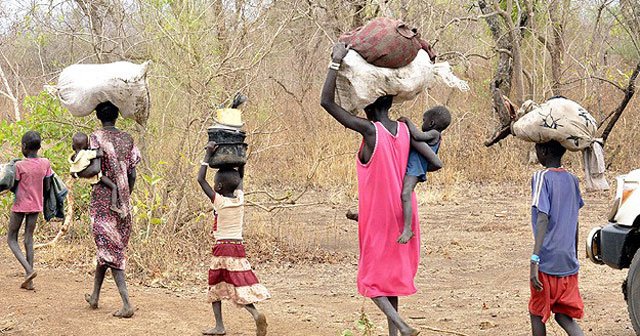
[(231, 277)]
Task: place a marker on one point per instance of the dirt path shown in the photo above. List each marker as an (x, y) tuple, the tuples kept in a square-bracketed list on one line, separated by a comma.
[(473, 280)]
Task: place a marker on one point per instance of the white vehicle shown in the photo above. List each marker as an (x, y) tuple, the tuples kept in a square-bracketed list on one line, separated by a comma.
[(616, 244)]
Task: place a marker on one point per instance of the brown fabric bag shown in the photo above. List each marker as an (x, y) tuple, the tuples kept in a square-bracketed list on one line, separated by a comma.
[(387, 43)]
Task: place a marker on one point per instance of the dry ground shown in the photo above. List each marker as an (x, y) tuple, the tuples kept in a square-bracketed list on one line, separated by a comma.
[(473, 280)]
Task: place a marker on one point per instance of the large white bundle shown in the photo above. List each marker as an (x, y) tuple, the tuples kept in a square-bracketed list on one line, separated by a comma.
[(81, 87), (360, 83), (568, 123), (559, 119)]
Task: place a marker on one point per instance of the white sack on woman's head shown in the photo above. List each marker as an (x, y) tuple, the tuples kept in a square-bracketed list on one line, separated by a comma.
[(81, 87), (360, 83)]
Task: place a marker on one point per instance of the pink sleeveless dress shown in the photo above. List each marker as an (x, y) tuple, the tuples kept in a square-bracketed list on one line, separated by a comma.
[(385, 267)]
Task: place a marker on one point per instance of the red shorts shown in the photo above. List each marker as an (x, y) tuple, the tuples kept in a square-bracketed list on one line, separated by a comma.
[(559, 295)]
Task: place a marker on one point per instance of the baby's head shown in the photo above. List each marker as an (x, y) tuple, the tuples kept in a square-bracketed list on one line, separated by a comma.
[(31, 142), (80, 141), (436, 118), (226, 181)]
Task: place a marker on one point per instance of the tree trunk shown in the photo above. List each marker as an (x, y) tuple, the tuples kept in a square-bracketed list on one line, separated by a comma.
[(556, 49), (501, 83), (617, 113), (8, 93)]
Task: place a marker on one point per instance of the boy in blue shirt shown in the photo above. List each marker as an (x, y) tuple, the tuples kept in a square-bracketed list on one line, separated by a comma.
[(554, 262)]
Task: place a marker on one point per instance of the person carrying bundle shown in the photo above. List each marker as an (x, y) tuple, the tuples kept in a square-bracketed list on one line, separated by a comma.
[(386, 269), (386, 57), (565, 121)]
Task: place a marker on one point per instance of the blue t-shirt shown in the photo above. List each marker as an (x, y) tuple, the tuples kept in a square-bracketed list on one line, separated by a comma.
[(556, 193)]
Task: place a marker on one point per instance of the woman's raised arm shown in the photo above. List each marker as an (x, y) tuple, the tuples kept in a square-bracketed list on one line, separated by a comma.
[(328, 98)]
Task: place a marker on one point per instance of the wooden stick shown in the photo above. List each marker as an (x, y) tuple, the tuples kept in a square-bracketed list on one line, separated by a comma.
[(68, 220), (444, 331)]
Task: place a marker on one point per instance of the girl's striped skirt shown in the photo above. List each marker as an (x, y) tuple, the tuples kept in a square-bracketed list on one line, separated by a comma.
[(231, 277)]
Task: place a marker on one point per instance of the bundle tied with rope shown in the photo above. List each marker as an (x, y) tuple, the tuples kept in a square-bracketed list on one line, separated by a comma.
[(81, 87), (387, 57), (568, 123)]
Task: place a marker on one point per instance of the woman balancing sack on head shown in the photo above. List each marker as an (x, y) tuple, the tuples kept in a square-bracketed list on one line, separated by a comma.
[(386, 268), (388, 58), (112, 229)]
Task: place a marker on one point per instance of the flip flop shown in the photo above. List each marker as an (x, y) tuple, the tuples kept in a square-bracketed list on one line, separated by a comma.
[(207, 333)]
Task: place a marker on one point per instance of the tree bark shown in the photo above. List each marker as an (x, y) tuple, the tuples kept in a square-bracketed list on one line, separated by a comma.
[(556, 49), (8, 93), (628, 94)]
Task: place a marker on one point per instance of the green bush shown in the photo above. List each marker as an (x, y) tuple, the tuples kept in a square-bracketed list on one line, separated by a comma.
[(44, 114)]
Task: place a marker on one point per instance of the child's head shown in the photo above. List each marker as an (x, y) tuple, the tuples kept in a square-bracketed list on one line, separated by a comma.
[(107, 112), (436, 118), (31, 142), (550, 152), (226, 181), (80, 141)]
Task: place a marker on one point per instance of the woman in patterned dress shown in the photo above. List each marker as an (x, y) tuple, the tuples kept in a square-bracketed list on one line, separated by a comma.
[(111, 230)]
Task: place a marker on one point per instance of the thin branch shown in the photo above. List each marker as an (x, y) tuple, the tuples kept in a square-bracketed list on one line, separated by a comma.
[(616, 85), (629, 92)]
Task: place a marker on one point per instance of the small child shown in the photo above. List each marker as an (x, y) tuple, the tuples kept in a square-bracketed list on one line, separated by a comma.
[(230, 275), (554, 262), (434, 121), (33, 178), (82, 159), (425, 143)]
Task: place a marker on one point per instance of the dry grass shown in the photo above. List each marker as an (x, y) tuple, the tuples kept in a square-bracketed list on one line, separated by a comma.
[(296, 148)]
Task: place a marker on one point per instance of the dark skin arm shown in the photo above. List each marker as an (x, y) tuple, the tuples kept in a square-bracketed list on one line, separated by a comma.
[(202, 173), (92, 170), (241, 171), (430, 137), (541, 230), (426, 151), (131, 179), (328, 102)]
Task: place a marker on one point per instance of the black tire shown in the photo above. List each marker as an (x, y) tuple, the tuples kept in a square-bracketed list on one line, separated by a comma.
[(633, 292)]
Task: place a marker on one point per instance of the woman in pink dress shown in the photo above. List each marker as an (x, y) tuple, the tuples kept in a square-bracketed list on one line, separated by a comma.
[(386, 268)]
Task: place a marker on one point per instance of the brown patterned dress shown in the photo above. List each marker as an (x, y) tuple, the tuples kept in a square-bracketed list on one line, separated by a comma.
[(111, 230)]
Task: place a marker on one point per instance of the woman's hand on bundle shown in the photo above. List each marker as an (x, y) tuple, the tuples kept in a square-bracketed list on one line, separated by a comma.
[(340, 50), (210, 149)]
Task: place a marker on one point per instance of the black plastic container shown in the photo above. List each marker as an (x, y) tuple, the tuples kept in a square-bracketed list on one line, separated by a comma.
[(229, 155), (226, 135)]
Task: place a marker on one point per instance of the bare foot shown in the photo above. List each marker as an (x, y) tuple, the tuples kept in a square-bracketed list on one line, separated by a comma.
[(215, 331), (124, 312), (352, 215), (28, 280), (93, 303), (410, 332), (405, 237), (29, 286), (261, 325)]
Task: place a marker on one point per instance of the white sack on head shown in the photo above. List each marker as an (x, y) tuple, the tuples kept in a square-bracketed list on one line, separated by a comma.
[(81, 87), (360, 83), (559, 119), (568, 123)]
